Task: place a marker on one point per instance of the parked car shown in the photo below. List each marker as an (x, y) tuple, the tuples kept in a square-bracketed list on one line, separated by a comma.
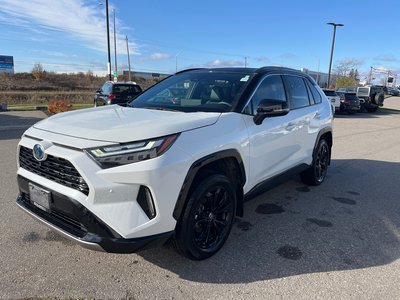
[(349, 102), (334, 98), (373, 97), (116, 93), (393, 91), (178, 162)]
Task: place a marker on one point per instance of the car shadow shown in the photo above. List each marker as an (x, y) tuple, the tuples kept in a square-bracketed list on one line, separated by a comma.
[(349, 222), (13, 124)]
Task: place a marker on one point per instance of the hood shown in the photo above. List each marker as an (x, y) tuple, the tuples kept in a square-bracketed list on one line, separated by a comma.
[(123, 124)]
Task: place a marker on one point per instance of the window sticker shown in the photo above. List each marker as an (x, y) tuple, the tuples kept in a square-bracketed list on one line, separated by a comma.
[(245, 78)]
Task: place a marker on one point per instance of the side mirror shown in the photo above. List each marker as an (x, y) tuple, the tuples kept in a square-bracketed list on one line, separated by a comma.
[(98, 91), (270, 108)]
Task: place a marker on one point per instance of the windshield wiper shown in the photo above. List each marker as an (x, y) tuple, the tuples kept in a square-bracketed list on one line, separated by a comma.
[(160, 108)]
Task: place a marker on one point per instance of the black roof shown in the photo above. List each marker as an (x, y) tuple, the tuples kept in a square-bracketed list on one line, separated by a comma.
[(261, 70)]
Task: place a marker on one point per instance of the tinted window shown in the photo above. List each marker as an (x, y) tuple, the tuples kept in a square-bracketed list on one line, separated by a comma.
[(270, 88), (315, 94), (126, 89), (330, 93), (351, 96), (297, 92)]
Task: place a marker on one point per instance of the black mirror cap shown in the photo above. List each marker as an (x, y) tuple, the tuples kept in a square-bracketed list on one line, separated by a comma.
[(270, 108)]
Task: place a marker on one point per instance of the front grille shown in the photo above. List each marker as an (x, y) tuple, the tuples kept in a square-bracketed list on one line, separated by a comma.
[(53, 168)]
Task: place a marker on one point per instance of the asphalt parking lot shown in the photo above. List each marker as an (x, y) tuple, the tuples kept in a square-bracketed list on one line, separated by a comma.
[(339, 240)]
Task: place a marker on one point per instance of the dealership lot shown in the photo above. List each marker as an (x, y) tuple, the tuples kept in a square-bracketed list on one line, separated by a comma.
[(341, 239)]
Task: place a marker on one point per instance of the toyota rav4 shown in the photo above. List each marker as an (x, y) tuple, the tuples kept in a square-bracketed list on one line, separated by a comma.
[(176, 163)]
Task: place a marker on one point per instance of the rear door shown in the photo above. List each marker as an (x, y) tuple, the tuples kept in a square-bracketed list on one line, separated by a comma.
[(306, 113)]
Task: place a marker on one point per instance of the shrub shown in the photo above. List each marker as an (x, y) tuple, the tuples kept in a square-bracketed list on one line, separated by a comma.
[(58, 106)]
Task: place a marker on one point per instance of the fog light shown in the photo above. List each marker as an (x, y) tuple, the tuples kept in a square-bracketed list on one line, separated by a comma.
[(145, 201)]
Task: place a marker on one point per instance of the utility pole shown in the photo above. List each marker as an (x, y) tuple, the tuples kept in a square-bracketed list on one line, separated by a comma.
[(370, 76), (333, 46), (129, 59), (115, 49), (108, 44)]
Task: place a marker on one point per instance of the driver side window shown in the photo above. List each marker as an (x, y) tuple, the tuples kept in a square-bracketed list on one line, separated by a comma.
[(270, 88)]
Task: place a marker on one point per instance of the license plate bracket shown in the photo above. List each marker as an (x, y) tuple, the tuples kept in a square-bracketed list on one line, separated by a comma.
[(39, 197)]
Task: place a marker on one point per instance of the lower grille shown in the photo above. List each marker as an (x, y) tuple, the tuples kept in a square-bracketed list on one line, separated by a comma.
[(69, 223), (53, 168)]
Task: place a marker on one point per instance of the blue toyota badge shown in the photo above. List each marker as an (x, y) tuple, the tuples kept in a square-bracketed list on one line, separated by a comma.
[(38, 152)]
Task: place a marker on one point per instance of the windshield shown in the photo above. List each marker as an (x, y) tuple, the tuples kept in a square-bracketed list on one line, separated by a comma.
[(205, 91)]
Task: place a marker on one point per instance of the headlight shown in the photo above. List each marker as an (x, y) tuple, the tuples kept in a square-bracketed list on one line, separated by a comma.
[(122, 154)]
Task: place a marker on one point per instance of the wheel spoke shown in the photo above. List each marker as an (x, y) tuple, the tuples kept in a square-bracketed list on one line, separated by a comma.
[(208, 230)]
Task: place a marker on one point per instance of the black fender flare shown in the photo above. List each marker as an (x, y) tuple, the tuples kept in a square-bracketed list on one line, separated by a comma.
[(320, 134), (196, 167)]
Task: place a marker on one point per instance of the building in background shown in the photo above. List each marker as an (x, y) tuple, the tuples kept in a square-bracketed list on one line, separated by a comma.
[(6, 64), (320, 77), (146, 75)]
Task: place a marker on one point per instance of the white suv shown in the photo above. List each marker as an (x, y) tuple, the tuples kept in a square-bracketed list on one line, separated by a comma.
[(178, 161), (334, 98)]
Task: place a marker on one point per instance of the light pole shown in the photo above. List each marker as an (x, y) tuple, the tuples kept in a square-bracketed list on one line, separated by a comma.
[(176, 61), (333, 46), (108, 44), (115, 49), (129, 59)]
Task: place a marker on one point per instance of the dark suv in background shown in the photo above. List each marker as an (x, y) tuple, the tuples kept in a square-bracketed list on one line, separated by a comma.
[(373, 97), (349, 102), (116, 93)]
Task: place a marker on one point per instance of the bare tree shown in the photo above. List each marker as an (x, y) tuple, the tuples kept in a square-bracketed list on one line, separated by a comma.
[(37, 71)]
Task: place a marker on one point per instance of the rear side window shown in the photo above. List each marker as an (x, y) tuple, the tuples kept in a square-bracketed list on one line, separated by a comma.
[(315, 94), (298, 96), (106, 88), (270, 88)]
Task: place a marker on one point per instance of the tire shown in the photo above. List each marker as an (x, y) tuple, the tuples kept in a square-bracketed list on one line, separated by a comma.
[(316, 173), (207, 219)]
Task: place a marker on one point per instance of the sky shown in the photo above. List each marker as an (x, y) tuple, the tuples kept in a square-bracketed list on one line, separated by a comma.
[(167, 35)]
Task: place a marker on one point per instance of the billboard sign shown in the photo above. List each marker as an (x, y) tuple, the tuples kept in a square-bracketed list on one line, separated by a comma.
[(6, 64)]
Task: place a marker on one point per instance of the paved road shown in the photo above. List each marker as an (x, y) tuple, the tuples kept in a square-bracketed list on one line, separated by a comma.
[(339, 240)]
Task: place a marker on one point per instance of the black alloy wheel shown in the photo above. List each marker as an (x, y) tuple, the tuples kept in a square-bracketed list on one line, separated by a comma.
[(208, 218), (316, 173), (321, 162), (211, 220)]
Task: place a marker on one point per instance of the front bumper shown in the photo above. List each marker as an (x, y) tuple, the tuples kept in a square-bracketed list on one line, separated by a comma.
[(73, 221)]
